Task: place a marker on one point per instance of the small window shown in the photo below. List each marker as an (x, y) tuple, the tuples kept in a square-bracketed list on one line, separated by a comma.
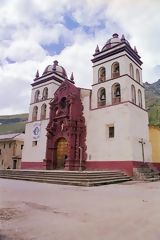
[(0, 152), (22, 146), (111, 132), (34, 143), (10, 144), (4, 146)]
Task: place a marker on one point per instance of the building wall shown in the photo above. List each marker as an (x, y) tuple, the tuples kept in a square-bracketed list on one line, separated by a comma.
[(35, 153), (130, 123), (10, 149), (154, 135)]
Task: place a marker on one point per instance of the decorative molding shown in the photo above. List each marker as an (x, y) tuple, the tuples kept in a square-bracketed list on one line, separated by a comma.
[(98, 64), (111, 105), (128, 49)]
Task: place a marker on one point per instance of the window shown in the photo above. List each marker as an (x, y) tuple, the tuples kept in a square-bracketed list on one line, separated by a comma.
[(116, 93), (36, 96), (102, 74), (43, 111), (133, 91), (101, 97), (4, 146), (0, 151), (139, 98), (45, 93), (111, 132), (22, 146), (115, 70), (131, 70), (137, 76), (34, 113), (63, 103), (10, 144), (34, 143)]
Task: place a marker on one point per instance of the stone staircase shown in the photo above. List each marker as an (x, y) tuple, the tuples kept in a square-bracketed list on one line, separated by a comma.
[(78, 178), (146, 173)]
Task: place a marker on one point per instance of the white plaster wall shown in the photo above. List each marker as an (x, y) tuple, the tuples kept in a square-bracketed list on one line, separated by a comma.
[(130, 124), (35, 153), (139, 129)]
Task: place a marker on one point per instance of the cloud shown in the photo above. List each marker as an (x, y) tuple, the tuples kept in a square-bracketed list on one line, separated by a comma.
[(31, 31)]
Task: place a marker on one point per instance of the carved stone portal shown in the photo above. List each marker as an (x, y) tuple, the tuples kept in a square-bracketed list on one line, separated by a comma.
[(67, 125)]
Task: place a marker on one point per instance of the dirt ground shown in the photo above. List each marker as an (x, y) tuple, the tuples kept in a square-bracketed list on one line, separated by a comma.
[(128, 211)]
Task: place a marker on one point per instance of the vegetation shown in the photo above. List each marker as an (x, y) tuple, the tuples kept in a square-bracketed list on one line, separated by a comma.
[(13, 123), (152, 93)]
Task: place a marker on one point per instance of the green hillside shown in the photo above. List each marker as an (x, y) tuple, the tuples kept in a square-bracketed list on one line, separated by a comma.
[(152, 93), (13, 123)]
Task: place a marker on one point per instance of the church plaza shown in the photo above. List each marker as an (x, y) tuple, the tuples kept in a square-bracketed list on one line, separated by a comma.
[(126, 211)]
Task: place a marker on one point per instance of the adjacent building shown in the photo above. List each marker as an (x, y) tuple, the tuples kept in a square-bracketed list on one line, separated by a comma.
[(11, 146), (154, 135)]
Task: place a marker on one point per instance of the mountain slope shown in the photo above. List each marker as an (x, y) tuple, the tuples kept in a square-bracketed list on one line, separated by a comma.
[(13, 123), (152, 93)]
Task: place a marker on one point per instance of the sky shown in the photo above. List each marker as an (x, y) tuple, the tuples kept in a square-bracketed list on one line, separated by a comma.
[(34, 33)]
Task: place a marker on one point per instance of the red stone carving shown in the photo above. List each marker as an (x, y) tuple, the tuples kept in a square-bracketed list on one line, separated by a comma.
[(67, 121)]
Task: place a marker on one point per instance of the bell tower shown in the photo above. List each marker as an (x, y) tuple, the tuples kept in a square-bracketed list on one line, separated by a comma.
[(117, 107), (117, 74)]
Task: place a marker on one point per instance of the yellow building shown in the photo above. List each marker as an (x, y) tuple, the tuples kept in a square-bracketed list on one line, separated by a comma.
[(11, 146), (154, 135)]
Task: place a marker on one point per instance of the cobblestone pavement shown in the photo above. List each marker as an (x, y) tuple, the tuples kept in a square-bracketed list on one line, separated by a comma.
[(39, 211)]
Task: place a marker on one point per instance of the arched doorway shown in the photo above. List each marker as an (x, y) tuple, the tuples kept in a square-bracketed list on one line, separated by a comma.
[(61, 153)]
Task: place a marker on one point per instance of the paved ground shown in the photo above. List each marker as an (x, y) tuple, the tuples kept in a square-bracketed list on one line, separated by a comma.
[(29, 211)]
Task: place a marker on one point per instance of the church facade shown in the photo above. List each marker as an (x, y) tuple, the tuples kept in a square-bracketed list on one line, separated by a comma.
[(105, 127)]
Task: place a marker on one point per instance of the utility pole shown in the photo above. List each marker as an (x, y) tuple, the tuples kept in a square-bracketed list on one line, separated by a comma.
[(142, 143)]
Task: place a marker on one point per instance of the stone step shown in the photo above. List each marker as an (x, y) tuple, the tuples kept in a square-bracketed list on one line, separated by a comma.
[(147, 174), (65, 177), (68, 179), (76, 183)]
